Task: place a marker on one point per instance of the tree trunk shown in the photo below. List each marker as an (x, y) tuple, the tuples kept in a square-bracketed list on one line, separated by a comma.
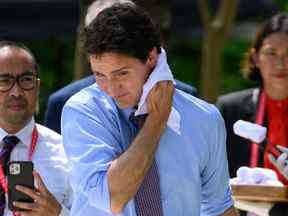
[(211, 65), (216, 29)]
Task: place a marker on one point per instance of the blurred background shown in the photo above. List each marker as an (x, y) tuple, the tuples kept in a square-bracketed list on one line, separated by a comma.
[(205, 39)]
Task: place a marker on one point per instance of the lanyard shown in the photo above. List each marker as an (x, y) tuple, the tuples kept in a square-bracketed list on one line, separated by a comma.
[(34, 138), (259, 120)]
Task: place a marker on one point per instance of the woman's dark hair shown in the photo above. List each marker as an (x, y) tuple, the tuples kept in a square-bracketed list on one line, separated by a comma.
[(122, 28), (277, 24), (18, 45)]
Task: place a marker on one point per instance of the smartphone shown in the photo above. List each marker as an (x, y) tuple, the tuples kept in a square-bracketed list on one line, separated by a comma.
[(19, 173)]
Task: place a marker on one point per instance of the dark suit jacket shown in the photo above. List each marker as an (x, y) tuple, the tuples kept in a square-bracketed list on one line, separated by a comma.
[(235, 106), (57, 100)]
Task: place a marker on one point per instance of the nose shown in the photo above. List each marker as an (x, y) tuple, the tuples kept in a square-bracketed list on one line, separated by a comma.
[(15, 90), (113, 88), (280, 63)]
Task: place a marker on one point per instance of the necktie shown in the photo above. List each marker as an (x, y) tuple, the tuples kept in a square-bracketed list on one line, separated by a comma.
[(148, 197), (9, 143)]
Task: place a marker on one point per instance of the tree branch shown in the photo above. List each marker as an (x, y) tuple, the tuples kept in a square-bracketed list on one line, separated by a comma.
[(204, 13), (226, 14)]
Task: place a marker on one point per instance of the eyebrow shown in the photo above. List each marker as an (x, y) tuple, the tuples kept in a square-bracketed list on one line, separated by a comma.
[(114, 71)]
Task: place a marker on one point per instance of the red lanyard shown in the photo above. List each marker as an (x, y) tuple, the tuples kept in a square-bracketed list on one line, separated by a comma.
[(259, 120), (34, 138)]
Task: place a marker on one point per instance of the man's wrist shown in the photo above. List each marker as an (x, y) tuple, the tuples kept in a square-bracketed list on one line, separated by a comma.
[(154, 125)]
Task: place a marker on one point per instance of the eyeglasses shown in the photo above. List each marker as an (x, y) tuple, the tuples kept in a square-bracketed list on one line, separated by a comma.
[(26, 81)]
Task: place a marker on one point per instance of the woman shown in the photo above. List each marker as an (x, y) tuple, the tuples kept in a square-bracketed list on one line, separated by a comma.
[(267, 62)]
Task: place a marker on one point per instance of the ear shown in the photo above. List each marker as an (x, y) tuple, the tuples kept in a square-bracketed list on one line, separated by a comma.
[(37, 98), (37, 88), (152, 58), (38, 84), (254, 57)]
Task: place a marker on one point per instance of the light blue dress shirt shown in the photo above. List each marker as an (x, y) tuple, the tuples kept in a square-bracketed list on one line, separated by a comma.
[(192, 166)]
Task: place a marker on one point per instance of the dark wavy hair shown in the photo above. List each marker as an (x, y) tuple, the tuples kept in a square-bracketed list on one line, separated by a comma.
[(122, 28), (18, 45), (277, 24)]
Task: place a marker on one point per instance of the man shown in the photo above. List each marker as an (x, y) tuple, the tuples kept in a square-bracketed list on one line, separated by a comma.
[(19, 89), (171, 163), (57, 100)]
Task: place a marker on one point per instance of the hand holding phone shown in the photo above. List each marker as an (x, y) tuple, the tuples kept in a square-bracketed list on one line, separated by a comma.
[(45, 204), (19, 173)]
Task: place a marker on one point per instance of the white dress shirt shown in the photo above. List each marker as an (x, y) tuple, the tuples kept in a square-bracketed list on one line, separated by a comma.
[(49, 161)]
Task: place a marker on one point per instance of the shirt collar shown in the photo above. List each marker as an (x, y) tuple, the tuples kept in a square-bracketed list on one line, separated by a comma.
[(127, 112), (24, 135)]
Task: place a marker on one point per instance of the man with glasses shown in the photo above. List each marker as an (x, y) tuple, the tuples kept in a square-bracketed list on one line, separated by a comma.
[(26, 140)]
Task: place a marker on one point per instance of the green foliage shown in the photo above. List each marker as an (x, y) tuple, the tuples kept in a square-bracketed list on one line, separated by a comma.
[(283, 4), (185, 61), (55, 59), (233, 54)]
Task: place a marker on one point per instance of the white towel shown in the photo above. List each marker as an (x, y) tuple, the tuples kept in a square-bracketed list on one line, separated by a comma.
[(256, 176), (254, 208), (251, 131), (160, 73)]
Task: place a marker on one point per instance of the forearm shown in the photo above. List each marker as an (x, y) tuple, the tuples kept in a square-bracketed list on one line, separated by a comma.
[(127, 172)]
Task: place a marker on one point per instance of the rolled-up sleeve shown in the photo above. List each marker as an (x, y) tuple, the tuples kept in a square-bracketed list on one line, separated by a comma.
[(216, 192), (91, 143)]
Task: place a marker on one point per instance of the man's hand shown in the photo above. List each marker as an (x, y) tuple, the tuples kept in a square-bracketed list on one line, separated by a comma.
[(159, 101), (45, 203)]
